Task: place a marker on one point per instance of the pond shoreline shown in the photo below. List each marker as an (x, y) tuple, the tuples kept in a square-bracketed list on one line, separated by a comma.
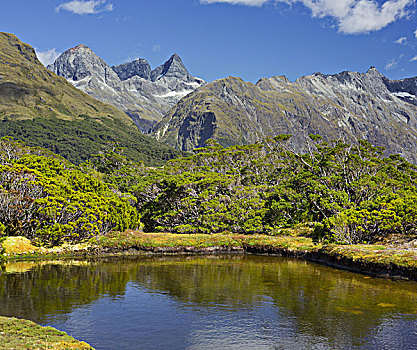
[(375, 260), (342, 262), (322, 257)]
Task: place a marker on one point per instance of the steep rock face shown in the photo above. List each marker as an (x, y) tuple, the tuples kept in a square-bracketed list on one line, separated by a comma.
[(351, 105), (174, 77), (84, 69), (173, 68), (139, 67), (144, 94), (405, 89)]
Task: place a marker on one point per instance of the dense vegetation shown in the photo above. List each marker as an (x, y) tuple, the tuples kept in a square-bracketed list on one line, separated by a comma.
[(47, 199), (76, 140), (348, 193)]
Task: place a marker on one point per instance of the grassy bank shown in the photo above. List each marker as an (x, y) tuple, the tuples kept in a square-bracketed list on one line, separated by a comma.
[(399, 259), (23, 334)]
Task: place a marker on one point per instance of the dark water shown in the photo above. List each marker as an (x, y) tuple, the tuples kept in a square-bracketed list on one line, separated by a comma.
[(222, 302)]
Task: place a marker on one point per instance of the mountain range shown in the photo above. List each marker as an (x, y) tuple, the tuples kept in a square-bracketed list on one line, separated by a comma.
[(182, 112), (144, 94), (43, 109), (348, 105)]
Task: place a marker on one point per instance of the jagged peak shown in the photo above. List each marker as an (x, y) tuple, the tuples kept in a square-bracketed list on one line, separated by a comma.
[(138, 60), (172, 67), (174, 59), (271, 83), (281, 78), (131, 63), (175, 56), (138, 67), (79, 47), (340, 76), (373, 71), (232, 82), (319, 74), (83, 54), (80, 62), (230, 78)]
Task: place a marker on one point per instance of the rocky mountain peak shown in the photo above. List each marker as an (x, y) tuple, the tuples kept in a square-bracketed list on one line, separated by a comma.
[(81, 66), (80, 47), (142, 93), (172, 68), (175, 59), (139, 67), (82, 51), (76, 63), (280, 81), (373, 72)]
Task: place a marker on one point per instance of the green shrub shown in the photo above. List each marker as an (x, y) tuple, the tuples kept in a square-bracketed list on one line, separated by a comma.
[(2, 250)]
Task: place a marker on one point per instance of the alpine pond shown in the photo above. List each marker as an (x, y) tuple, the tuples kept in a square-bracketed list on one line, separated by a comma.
[(211, 302)]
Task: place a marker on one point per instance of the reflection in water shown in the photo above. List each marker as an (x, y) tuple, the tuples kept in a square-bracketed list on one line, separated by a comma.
[(241, 302)]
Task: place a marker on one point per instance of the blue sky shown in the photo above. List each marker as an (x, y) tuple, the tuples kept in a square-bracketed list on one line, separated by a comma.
[(217, 38)]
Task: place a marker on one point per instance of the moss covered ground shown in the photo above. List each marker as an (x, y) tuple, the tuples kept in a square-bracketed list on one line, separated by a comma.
[(144, 241), (21, 248), (23, 334), (294, 242), (377, 254)]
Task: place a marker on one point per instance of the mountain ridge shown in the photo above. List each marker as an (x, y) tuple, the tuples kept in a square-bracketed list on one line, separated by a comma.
[(144, 94), (350, 105)]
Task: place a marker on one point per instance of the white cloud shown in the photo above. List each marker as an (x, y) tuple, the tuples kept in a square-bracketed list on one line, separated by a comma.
[(237, 2), (156, 48), (47, 57), (413, 59), (401, 40), (365, 16), (393, 62), (415, 33), (81, 7), (352, 16)]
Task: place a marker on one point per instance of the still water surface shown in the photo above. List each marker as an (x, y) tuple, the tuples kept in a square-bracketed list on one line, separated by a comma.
[(213, 302)]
